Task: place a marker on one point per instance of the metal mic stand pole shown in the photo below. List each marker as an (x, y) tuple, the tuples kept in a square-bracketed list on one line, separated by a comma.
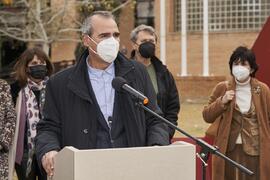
[(205, 147)]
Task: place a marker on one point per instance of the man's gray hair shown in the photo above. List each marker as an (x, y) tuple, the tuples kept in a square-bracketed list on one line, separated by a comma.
[(87, 27), (134, 33)]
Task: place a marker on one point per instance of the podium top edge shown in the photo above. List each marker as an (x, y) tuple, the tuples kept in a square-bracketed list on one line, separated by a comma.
[(174, 145)]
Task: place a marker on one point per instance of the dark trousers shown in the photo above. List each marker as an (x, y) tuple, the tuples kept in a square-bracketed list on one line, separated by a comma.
[(250, 162), (35, 171)]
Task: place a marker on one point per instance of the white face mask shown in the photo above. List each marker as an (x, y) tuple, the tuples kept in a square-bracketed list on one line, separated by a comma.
[(240, 72), (107, 49)]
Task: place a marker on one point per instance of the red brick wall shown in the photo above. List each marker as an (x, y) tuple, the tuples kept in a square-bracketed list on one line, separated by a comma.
[(193, 88), (126, 25), (221, 46)]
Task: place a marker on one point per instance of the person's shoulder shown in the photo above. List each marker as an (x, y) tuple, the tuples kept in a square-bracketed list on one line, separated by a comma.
[(4, 86), (15, 89), (124, 62), (166, 71), (136, 63), (122, 59), (62, 75), (138, 66), (223, 85), (3, 82), (260, 83), (160, 67)]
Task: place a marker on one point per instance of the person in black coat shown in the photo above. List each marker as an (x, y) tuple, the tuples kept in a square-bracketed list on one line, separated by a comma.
[(84, 111), (144, 40)]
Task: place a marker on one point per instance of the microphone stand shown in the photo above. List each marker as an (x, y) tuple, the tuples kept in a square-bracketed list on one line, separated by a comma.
[(206, 148)]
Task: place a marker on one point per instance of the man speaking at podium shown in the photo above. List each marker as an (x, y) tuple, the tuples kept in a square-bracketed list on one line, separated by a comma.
[(83, 110)]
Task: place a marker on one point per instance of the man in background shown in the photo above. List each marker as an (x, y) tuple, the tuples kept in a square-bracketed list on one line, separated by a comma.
[(144, 41)]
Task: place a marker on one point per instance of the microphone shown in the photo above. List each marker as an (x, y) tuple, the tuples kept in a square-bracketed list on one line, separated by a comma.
[(119, 83)]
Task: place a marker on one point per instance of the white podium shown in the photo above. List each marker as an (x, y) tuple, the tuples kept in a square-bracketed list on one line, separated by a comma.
[(174, 162)]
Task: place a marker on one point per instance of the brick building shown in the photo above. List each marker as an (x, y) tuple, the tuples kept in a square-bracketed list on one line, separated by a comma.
[(231, 23)]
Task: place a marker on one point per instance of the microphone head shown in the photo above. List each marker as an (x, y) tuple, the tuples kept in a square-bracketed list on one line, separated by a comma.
[(118, 82)]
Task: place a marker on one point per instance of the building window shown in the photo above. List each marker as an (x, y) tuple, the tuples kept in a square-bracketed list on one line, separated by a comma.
[(224, 15), (177, 16), (194, 15), (144, 12)]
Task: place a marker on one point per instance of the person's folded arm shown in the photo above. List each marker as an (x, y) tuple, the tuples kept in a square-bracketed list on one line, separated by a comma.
[(215, 107)]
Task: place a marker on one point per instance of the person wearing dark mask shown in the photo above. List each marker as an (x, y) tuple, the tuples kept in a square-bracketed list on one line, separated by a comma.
[(83, 110), (144, 40), (32, 71)]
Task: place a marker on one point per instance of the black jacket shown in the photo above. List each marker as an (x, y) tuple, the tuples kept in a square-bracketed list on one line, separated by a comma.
[(167, 97), (72, 116)]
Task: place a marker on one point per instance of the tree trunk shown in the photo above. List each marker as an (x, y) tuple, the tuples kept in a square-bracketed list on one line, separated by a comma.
[(46, 48)]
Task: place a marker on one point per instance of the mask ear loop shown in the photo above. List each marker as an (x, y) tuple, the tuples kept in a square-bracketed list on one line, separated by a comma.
[(136, 43), (251, 71), (90, 47), (135, 51)]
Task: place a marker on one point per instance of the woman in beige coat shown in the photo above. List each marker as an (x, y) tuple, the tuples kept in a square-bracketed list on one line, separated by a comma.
[(239, 110), (7, 127)]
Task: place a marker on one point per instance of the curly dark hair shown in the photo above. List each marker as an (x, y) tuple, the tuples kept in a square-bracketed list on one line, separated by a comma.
[(243, 54)]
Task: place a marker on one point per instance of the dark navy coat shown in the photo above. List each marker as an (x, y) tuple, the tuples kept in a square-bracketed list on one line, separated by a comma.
[(72, 116)]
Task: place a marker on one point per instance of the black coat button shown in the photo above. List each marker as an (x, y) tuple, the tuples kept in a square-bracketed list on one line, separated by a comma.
[(85, 131)]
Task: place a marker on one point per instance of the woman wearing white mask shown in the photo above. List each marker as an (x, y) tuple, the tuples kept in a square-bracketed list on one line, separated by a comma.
[(239, 110)]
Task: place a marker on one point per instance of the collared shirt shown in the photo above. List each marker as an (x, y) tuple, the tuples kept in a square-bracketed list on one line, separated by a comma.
[(101, 81)]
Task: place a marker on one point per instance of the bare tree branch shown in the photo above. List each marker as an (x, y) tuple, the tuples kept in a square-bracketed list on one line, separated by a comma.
[(68, 40), (20, 38), (35, 21), (61, 12), (121, 6), (8, 13), (69, 30)]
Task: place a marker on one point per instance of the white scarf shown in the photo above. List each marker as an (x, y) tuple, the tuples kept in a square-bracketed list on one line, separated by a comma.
[(33, 111)]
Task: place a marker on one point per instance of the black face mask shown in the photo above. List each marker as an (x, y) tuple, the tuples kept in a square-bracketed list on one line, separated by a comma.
[(147, 49), (38, 71)]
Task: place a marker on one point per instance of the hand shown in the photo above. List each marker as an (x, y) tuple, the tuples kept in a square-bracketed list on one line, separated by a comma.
[(48, 162), (228, 96)]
